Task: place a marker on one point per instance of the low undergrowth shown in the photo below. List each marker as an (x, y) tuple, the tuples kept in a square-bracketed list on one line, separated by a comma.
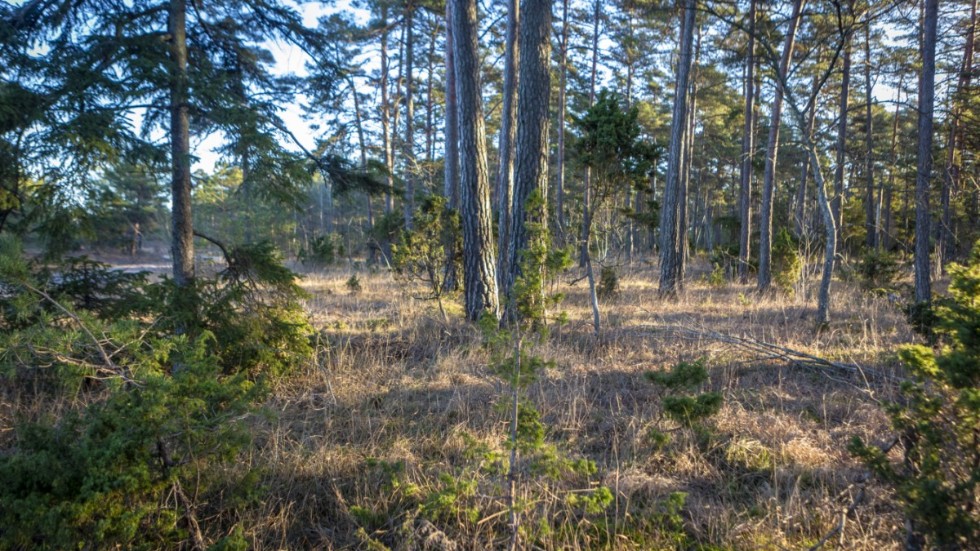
[(397, 433)]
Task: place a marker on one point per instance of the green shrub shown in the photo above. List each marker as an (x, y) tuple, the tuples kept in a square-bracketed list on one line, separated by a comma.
[(878, 270), (323, 250), (154, 419), (939, 479), (681, 406), (423, 253), (353, 285), (608, 283), (101, 477), (786, 262)]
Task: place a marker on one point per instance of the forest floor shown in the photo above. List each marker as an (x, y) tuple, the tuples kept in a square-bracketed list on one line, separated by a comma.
[(392, 436)]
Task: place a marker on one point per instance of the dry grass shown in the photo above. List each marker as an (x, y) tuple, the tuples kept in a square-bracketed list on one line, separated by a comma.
[(358, 442)]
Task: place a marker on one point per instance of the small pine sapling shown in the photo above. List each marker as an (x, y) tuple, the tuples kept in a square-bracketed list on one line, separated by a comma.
[(514, 361), (938, 424), (421, 254)]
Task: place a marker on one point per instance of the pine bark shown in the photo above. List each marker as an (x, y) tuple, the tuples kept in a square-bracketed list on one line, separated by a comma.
[(409, 145), (669, 229), (870, 210), (531, 161), (562, 89), (389, 158), (683, 198), (587, 194), (479, 263), (748, 149), (799, 204), (451, 148), (772, 151), (927, 96), (508, 134), (182, 235), (838, 202)]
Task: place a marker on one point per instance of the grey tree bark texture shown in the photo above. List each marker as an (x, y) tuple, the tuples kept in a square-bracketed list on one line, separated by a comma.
[(409, 202), (927, 96), (748, 148), (772, 152), (669, 212), (562, 108), (838, 203), (451, 149), (182, 226), (508, 133), (531, 162), (451, 164), (870, 208), (389, 157), (587, 193), (479, 263)]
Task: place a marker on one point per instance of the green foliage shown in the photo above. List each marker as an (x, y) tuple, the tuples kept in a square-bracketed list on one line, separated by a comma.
[(534, 463), (608, 283), (99, 477), (255, 312), (611, 145), (717, 277), (681, 405), (323, 250), (786, 261), (878, 270), (95, 287), (128, 197), (421, 253), (353, 285), (154, 419), (940, 476), (252, 309), (593, 502), (540, 263)]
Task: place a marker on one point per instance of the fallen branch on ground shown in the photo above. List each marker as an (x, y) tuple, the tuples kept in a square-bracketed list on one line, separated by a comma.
[(769, 351)]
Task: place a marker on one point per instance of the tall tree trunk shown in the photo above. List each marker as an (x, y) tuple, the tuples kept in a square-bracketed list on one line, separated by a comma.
[(410, 162), (451, 165), (562, 89), (631, 193), (531, 162), (951, 176), (927, 95), (587, 194), (887, 231), (838, 202), (508, 133), (669, 212), (870, 227), (683, 196), (479, 264), (772, 151), (389, 158), (451, 148), (182, 235), (748, 150), (362, 144), (830, 247), (429, 99), (799, 212)]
